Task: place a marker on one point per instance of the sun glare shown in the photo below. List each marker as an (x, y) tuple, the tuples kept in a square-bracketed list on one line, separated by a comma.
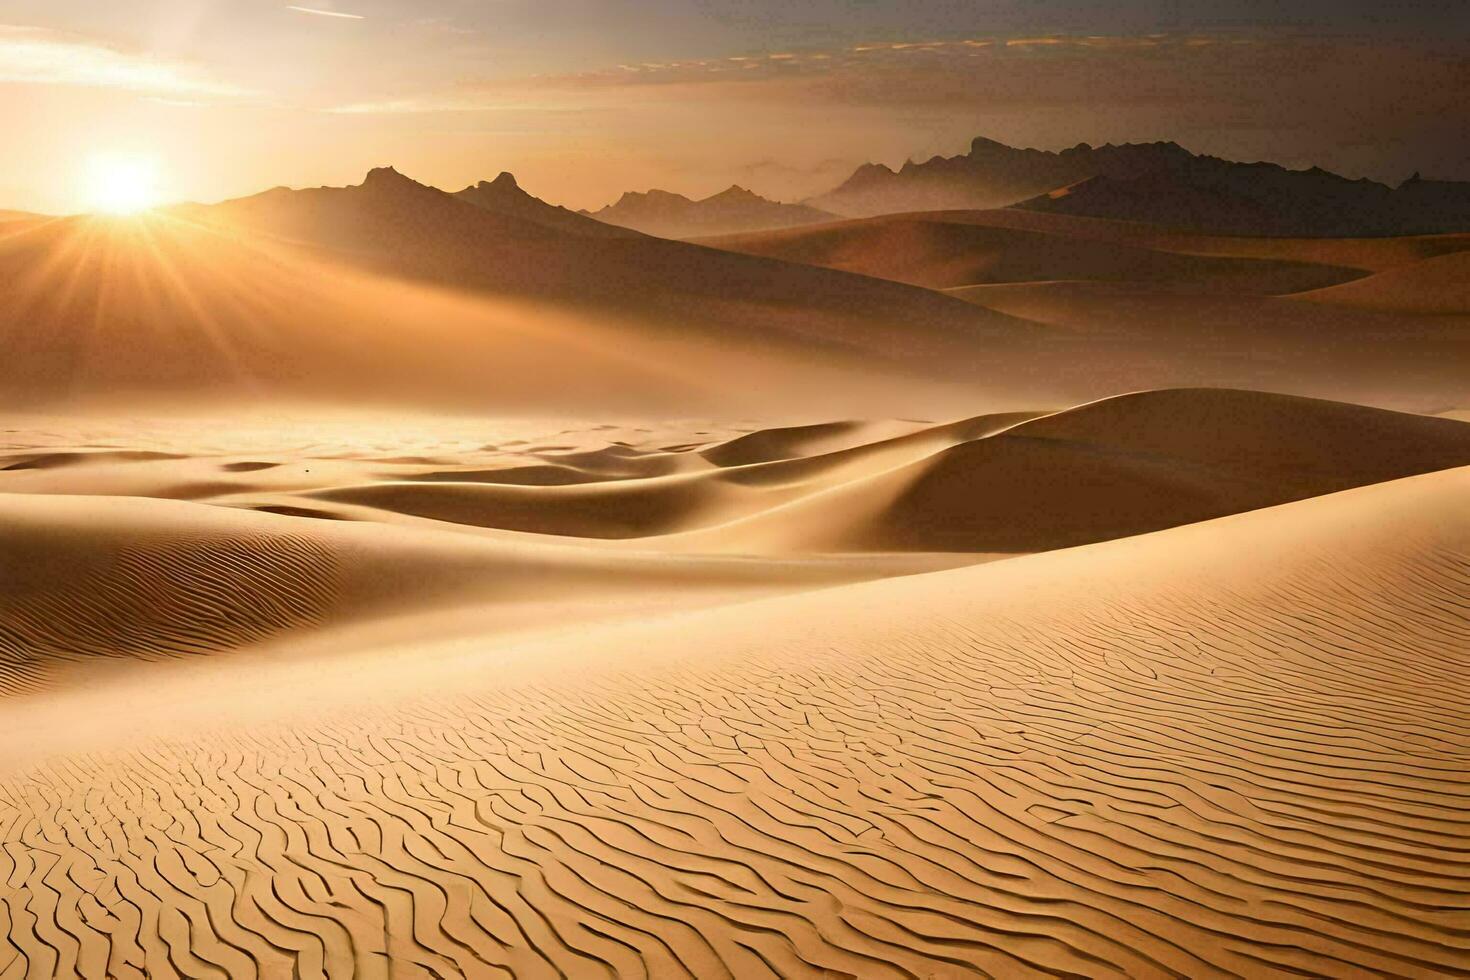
[(122, 183)]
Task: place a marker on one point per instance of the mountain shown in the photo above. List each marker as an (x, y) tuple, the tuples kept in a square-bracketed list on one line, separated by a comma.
[(991, 175), (505, 197), (729, 212), (1161, 183)]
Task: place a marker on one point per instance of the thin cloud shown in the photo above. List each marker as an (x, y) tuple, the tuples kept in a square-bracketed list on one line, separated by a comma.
[(36, 56), (451, 103), (317, 12)]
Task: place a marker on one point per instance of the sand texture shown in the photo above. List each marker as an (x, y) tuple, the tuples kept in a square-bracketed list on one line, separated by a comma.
[(1233, 748)]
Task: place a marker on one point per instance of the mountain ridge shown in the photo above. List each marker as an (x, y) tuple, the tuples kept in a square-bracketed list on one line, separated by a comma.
[(734, 210), (1160, 182)]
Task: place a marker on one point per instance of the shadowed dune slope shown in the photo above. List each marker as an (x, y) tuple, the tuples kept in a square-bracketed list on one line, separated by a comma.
[(80, 589), (947, 249), (769, 445), (1118, 467), (1232, 749), (89, 579), (579, 503), (1368, 254), (1440, 284), (994, 484), (1216, 339)]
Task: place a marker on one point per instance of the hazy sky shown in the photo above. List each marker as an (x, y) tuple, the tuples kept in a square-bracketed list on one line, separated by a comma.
[(586, 98)]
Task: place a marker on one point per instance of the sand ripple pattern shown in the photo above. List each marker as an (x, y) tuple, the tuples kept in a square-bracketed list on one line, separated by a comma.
[(1234, 778), (166, 599)]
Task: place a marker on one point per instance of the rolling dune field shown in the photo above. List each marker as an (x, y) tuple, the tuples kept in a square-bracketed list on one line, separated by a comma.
[(1232, 748), (729, 706)]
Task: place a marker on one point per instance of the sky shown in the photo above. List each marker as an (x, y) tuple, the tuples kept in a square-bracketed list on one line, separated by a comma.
[(586, 99)]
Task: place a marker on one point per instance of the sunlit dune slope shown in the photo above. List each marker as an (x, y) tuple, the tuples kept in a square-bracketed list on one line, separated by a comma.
[(162, 308), (1230, 749)]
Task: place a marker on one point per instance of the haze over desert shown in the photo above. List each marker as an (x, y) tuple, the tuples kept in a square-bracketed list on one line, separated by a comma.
[(517, 492)]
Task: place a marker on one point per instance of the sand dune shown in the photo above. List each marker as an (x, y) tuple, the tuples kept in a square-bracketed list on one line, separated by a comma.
[(987, 485), (1133, 305), (396, 293), (165, 312), (1114, 468), (402, 660), (392, 293), (946, 249), (1369, 254), (1440, 284), (1235, 748), (1241, 341), (99, 582)]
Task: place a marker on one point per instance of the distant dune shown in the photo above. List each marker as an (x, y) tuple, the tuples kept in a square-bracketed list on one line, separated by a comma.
[(1440, 284), (947, 249), (393, 292), (1281, 344)]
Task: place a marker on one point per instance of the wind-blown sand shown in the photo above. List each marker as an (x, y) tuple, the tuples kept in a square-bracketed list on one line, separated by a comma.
[(1236, 747)]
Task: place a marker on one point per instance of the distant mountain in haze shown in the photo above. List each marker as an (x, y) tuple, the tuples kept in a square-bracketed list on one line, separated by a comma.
[(1162, 183), (732, 211), (505, 197)]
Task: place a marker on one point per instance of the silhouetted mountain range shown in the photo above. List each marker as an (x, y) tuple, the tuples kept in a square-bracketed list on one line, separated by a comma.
[(504, 196), (731, 211), (1161, 183)]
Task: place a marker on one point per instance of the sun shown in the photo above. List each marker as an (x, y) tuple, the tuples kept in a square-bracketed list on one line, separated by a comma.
[(122, 183)]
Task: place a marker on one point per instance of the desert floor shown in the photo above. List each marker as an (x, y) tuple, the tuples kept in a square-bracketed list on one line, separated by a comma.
[(1170, 684)]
